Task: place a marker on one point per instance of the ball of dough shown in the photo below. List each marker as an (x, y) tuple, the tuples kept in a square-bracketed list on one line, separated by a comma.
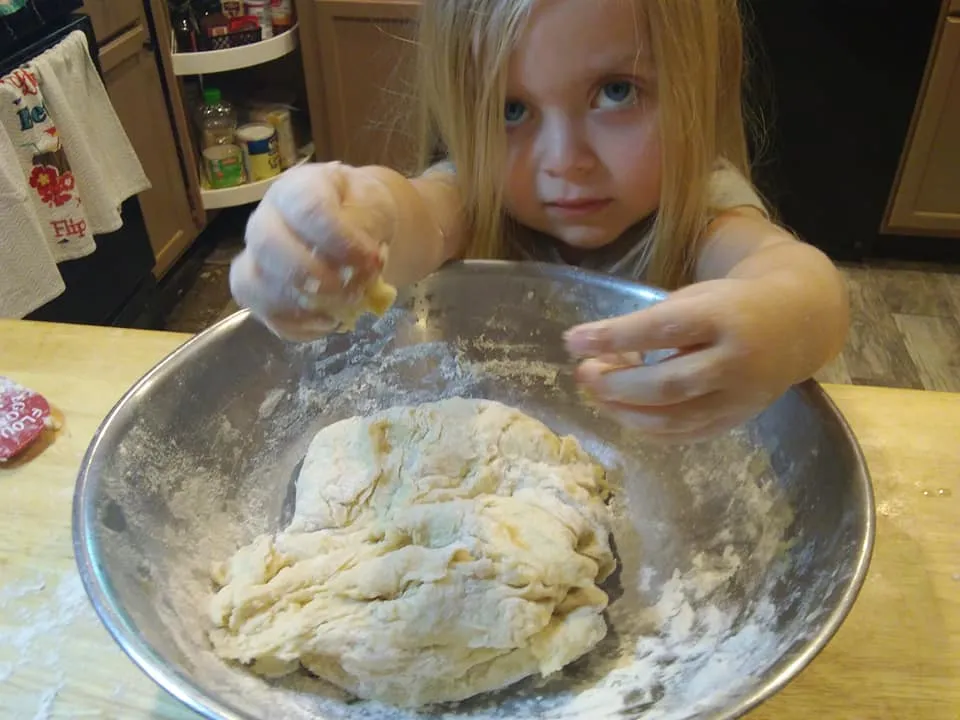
[(436, 552), (376, 297)]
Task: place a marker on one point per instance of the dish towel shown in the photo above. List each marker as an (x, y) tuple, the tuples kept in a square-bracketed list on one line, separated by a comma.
[(44, 166), (104, 162), (28, 273)]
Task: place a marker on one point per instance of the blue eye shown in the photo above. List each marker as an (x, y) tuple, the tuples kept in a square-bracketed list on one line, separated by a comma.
[(617, 94), (514, 112)]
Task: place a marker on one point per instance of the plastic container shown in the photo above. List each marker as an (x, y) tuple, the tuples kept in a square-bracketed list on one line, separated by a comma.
[(261, 153), (224, 166), (281, 15), (218, 120), (218, 32), (260, 9), (280, 117)]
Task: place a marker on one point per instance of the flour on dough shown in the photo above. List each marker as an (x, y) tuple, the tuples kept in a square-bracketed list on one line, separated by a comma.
[(436, 552)]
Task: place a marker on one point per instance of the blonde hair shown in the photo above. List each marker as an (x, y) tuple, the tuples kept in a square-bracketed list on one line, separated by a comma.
[(697, 47)]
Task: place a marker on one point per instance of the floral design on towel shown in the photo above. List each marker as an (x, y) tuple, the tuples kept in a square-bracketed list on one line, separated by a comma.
[(53, 187), (45, 165)]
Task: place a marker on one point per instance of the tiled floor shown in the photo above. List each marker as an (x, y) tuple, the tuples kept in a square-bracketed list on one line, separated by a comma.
[(905, 320), (905, 328), (207, 299)]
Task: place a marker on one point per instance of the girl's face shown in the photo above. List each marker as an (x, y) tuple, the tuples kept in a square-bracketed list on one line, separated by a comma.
[(583, 137)]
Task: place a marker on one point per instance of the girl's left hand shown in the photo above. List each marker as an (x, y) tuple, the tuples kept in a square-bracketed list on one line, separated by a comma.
[(737, 351)]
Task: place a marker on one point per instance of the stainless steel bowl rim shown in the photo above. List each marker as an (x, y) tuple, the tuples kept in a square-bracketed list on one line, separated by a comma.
[(121, 627)]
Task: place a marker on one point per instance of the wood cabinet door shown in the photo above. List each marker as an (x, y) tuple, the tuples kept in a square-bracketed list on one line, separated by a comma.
[(133, 83), (927, 196), (111, 17), (359, 64), (159, 12)]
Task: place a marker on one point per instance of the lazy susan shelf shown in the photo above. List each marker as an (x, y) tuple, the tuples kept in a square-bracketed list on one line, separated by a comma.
[(216, 61), (249, 193)]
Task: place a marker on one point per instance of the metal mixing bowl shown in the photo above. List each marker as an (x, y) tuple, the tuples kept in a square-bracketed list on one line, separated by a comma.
[(739, 558)]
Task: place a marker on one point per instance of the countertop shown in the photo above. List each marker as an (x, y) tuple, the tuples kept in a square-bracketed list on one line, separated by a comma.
[(896, 656)]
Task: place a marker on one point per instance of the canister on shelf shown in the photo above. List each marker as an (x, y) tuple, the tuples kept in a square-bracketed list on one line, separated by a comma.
[(260, 151), (260, 9), (279, 116), (224, 166), (281, 12)]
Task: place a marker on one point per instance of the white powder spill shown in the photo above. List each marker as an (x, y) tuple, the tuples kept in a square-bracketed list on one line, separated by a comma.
[(709, 596), (39, 614), (47, 698), (41, 619), (270, 403)]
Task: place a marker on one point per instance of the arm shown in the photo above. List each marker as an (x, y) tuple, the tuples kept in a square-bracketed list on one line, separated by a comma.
[(797, 282), (313, 243), (429, 227), (765, 313)]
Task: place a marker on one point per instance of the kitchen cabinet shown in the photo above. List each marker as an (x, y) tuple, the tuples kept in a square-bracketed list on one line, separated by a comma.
[(359, 60), (266, 71), (131, 74), (133, 83), (926, 197), (111, 17)]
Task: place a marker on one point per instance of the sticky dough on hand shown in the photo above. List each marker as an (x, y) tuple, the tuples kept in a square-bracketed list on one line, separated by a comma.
[(378, 296)]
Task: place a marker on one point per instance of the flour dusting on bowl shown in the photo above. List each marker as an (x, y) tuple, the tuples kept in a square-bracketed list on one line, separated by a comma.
[(737, 557)]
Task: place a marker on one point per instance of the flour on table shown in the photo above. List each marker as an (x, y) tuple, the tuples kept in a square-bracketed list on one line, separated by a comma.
[(40, 613)]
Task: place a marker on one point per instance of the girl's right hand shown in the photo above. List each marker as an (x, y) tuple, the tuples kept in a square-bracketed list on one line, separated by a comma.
[(312, 245)]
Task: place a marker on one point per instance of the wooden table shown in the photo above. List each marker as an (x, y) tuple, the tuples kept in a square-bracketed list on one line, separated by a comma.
[(896, 656)]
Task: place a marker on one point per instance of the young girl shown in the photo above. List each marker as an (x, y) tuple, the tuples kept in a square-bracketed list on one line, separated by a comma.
[(606, 134)]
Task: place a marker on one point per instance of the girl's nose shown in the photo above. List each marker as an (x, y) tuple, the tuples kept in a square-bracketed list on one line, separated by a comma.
[(566, 151)]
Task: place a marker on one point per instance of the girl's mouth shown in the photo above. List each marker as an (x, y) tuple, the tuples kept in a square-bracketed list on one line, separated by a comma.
[(577, 207)]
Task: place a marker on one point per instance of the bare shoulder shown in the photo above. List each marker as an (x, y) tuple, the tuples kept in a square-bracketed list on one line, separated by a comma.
[(734, 235)]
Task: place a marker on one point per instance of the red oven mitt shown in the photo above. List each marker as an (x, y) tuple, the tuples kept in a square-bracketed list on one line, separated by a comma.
[(23, 417)]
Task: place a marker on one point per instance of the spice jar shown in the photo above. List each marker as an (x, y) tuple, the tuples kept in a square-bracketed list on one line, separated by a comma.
[(281, 15)]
